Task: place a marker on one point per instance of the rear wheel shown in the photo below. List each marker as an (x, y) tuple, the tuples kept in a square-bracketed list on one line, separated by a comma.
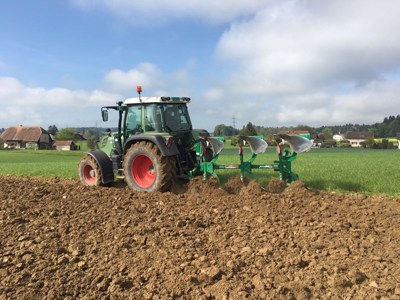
[(89, 171), (145, 168)]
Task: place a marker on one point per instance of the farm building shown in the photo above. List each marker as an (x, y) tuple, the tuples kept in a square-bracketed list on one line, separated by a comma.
[(64, 145), (26, 137), (357, 137), (398, 139)]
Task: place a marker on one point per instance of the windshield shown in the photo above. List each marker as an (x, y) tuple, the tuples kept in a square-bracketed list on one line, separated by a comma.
[(156, 117)]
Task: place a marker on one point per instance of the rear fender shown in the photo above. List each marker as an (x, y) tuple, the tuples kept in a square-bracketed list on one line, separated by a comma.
[(166, 150), (105, 164)]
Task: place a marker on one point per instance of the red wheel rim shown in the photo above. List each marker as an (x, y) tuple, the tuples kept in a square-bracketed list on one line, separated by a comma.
[(142, 171), (89, 175)]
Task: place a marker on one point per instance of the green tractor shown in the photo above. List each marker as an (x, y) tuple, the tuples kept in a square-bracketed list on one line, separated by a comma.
[(155, 144)]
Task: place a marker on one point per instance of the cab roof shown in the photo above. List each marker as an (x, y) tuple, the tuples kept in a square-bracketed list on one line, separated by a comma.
[(137, 100)]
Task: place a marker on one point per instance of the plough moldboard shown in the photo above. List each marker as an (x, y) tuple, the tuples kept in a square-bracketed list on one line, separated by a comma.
[(288, 146)]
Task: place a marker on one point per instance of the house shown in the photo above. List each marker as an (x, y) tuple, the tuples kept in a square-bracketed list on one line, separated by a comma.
[(338, 137), (26, 137), (65, 145), (398, 139), (357, 137)]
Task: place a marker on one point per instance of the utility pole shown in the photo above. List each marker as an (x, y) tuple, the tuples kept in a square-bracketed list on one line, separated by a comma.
[(234, 122)]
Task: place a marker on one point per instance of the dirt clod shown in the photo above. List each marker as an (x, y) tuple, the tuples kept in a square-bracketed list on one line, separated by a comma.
[(276, 186), (60, 240)]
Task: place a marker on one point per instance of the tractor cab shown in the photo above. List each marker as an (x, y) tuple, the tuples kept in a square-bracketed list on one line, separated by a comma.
[(156, 115), (149, 116)]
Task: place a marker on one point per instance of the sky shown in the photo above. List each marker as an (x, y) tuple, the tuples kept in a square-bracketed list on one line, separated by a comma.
[(268, 62)]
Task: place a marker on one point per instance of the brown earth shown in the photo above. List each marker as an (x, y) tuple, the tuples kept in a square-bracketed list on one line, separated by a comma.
[(60, 240)]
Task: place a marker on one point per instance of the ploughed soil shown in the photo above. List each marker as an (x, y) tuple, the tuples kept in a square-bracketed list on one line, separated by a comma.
[(60, 240)]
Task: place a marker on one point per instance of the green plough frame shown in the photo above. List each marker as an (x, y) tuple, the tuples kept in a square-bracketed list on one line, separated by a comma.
[(286, 154)]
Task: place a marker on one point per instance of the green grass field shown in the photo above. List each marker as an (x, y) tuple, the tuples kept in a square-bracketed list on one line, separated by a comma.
[(340, 170), (43, 163)]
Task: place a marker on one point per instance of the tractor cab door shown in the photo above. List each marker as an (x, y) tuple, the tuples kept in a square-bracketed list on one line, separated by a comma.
[(143, 118), (153, 118), (132, 121)]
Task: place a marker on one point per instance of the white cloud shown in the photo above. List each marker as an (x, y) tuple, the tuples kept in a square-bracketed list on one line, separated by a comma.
[(339, 41), (213, 94), (145, 74), (22, 104), (14, 115), (12, 92), (153, 80), (152, 12), (365, 105), (314, 62)]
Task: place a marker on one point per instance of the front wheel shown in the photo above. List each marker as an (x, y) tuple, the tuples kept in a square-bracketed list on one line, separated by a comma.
[(89, 171), (145, 168)]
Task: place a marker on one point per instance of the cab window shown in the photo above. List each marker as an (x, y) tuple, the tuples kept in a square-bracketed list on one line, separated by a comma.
[(132, 120), (176, 118)]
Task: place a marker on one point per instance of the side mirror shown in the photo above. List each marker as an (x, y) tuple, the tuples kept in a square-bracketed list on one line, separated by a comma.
[(104, 114)]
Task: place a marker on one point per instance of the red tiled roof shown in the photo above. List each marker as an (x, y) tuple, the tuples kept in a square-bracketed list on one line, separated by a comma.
[(63, 143), (23, 133)]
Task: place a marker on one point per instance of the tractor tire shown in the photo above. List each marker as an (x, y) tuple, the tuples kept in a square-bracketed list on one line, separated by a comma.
[(89, 172), (145, 168)]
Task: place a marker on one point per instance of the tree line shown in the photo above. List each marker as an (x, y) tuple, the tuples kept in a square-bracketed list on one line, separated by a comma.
[(388, 128), (90, 134)]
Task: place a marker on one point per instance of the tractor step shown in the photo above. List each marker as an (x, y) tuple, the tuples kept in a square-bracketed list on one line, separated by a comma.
[(120, 174)]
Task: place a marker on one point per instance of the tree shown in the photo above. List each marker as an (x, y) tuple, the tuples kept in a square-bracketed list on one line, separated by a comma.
[(91, 143), (93, 133), (234, 141), (1, 143), (65, 134), (219, 130), (327, 133), (231, 131), (52, 129), (301, 127), (249, 130), (385, 143), (369, 142), (223, 130)]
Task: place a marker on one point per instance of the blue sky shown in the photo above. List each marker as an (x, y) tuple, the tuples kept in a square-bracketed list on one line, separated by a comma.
[(269, 62)]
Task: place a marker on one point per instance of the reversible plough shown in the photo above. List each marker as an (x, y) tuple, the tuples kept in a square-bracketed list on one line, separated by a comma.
[(288, 146)]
